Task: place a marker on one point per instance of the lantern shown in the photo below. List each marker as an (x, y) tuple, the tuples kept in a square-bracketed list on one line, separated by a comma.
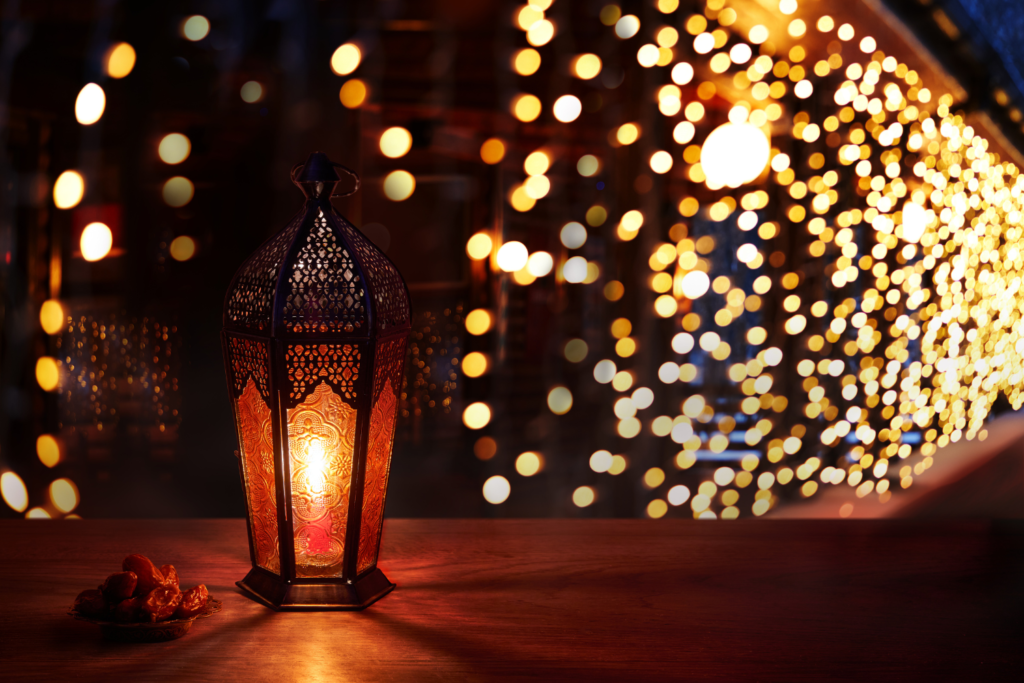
[(315, 328)]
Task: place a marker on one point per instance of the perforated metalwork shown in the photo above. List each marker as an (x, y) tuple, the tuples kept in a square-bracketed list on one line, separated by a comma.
[(391, 302), (387, 382), (321, 442), (248, 360), (257, 443), (337, 364), (252, 294), (325, 292)]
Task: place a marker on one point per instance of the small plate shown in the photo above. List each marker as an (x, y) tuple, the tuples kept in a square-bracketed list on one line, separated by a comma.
[(148, 632)]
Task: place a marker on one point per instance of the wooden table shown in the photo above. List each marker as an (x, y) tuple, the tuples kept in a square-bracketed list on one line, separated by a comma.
[(624, 600)]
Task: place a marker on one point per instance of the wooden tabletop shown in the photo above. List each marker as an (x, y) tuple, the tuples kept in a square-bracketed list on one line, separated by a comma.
[(623, 600)]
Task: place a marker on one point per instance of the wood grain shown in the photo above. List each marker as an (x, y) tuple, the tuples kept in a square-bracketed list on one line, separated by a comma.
[(626, 600)]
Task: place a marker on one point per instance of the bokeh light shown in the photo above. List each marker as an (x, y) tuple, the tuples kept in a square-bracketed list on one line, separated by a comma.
[(14, 492), (96, 241), (353, 94), (182, 248), (174, 148), (496, 490), (52, 317), (48, 449), (346, 59), (178, 191), (48, 373), (399, 185), (64, 495), (395, 142), (529, 463), (119, 60), (195, 28), (89, 104), (252, 92), (68, 190), (476, 415)]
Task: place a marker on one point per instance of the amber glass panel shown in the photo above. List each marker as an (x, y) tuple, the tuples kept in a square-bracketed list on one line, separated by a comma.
[(387, 385), (321, 442), (254, 428)]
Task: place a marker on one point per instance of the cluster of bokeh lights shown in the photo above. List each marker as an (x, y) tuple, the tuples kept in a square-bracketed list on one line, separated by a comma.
[(892, 326)]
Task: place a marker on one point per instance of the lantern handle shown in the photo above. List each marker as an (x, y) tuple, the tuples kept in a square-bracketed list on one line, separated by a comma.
[(298, 167), (352, 173)]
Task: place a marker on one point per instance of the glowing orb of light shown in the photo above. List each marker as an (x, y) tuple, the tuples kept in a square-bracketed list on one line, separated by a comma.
[(915, 220), (96, 241), (90, 104), (695, 284), (512, 256), (68, 189), (734, 154), (496, 490), (14, 492)]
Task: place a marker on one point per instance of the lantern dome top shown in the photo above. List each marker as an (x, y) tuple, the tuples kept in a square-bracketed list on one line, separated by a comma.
[(319, 277)]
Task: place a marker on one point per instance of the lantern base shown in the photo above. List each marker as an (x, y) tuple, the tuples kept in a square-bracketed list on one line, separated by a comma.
[(312, 596)]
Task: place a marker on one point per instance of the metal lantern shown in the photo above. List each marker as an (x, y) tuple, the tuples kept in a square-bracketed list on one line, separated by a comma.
[(315, 328)]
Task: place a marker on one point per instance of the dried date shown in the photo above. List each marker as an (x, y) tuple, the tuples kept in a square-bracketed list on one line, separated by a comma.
[(127, 610), (119, 586), (170, 575), (193, 601), (149, 577), (91, 603), (160, 603)]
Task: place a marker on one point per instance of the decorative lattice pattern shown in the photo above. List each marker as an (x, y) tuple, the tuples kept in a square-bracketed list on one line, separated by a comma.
[(387, 382), (336, 364), (248, 361), (250, 301), (321, 442), (257, 441), (325, 291), (391, 302)]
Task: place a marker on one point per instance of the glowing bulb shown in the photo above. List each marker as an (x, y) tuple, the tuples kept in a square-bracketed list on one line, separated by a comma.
[(526, 108), (68, 190), (52, 317), (567, 108), (915, 221), (48, 373), (174, 148), (627, 26), (573, 235), (475, 364), (178, 191), (560, 400), (120, 60), (540, 263), (512, 256), (252, 92), (182, 248), (90, 104), (661, 162), (529, 463), (526, 62), (353, 94), (734, 154), (492, 151), (586, 66), (14, 492), (346, 59), (695, 284), (476, 415), (395, 142), (96, 241), (195, 28), (497, 490), (479, 321), (583, 496), (399, 185), (479, 246), (64, 495), (48, 450)]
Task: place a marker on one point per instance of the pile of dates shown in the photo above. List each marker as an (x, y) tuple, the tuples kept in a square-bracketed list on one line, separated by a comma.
[(142, 593)]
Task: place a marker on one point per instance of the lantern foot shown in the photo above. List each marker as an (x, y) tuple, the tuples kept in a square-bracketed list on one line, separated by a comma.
[(311, 596)]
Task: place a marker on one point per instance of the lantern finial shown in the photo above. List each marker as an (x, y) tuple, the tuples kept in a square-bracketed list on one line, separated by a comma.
[(317, 178)]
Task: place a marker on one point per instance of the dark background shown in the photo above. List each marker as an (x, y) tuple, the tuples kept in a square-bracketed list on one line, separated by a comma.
[(439, 69)]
